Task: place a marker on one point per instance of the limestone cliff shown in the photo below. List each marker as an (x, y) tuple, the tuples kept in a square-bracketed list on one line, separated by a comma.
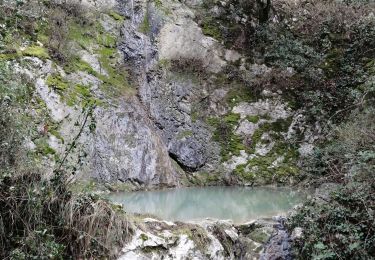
[(152, 98)]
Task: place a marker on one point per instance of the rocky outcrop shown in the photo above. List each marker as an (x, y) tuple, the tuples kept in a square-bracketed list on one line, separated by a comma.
[(210, 239)]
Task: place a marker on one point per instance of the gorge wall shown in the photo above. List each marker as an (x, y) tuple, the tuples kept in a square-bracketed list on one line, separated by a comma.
[(154, 98)]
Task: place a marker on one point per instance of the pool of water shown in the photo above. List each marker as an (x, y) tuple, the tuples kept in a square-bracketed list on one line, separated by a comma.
[(239, 204)]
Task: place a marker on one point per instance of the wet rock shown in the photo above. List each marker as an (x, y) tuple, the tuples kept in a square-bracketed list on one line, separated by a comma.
[(278, 246), (232, 233), (208, 239)]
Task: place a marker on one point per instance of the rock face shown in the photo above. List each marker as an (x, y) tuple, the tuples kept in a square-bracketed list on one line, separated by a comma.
[(185, 40), (208, 121), (168, 95), (191, 112), (124, 147), (99, 135)]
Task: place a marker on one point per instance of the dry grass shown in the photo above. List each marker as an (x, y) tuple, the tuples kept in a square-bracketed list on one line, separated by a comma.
[(86, 226), (95, 223)]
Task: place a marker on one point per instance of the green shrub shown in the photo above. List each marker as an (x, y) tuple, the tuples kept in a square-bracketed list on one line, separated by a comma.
[(344, 226)]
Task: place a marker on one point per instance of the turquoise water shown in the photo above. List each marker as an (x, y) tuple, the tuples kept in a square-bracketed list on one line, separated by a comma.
[(239, 204)]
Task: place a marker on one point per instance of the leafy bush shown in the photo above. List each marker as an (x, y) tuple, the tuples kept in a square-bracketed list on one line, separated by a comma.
[(342, 227), (350, 154)]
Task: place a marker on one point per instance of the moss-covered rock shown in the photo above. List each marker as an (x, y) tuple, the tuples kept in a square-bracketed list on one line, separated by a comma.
[(36, 51)]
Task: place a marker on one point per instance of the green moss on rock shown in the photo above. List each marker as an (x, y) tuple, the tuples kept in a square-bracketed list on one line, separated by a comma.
[(145, 26), (144, 237), (9, 56), (231, 144), (43, 148), (211, 28), (57, 83), (115, 15), (76, 64), (259, 235), (232, 118), (253, 119), (239, 93), (116, 82), (183, 134), (36, 51)]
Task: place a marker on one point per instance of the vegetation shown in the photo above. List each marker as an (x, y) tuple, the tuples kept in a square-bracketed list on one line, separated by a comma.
[(336, 75), (343, 225)]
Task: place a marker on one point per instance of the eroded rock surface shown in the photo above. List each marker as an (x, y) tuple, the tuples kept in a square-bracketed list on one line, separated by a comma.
[(210, 239)]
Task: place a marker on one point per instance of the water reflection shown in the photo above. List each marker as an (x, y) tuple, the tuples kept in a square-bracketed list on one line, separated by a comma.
[(237, 203)]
